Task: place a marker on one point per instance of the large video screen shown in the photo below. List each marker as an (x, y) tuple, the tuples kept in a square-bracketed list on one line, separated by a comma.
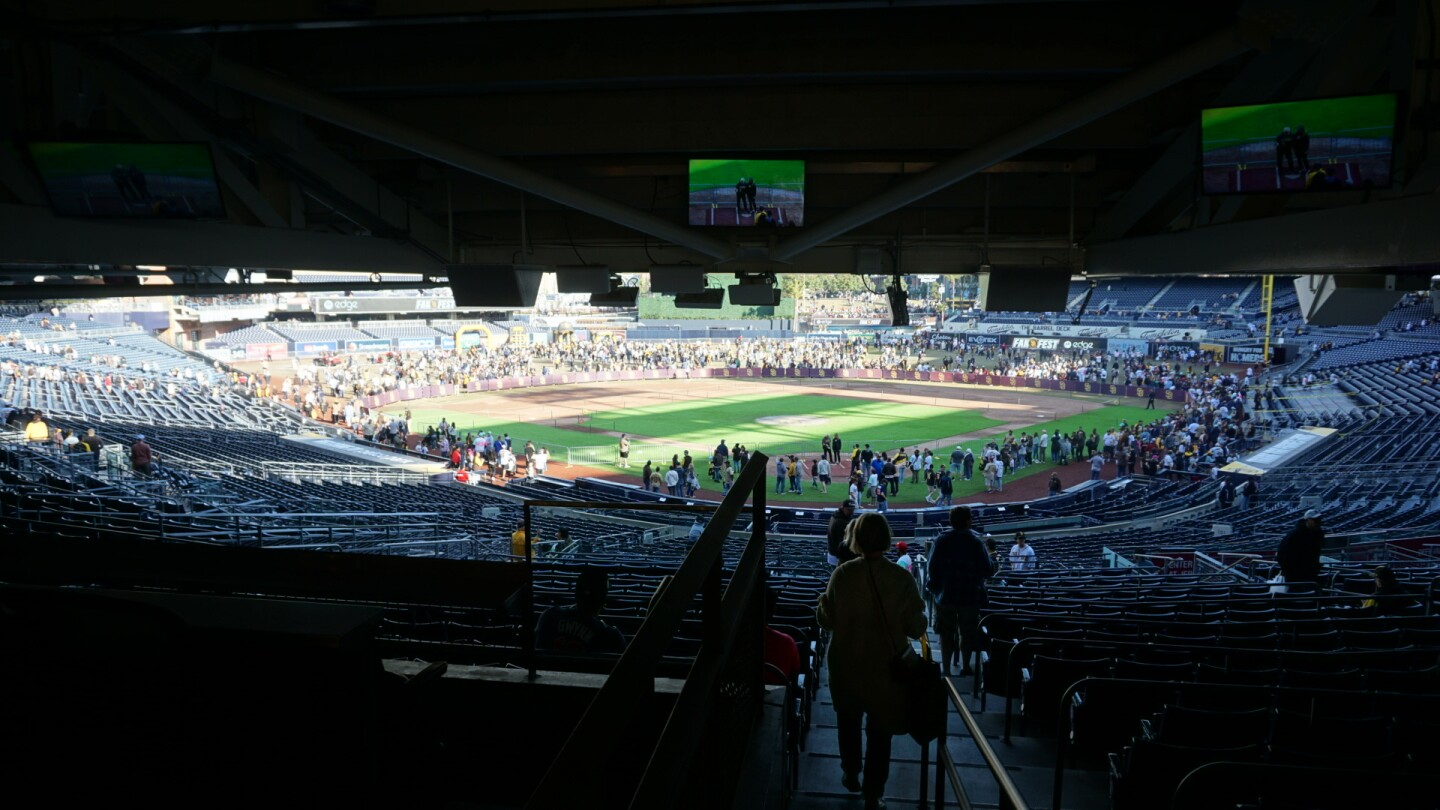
[(750, 193), (140, 180), (1321, 145)]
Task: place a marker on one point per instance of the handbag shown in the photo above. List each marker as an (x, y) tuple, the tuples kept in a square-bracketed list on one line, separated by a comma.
[(917, 677)]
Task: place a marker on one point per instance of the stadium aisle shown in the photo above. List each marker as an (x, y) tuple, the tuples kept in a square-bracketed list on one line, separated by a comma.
[(1029, 761)]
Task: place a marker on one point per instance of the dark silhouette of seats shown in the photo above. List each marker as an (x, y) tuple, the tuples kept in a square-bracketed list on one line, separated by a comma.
[(1047, 679), (1146, 773), (1204, 728)]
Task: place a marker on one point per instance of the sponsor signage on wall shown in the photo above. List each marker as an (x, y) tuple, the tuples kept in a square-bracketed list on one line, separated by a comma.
[(367, 345), (312, 348), (266, 351), (1037, 344), (1082, 344), (380, 305), (1245, 355)]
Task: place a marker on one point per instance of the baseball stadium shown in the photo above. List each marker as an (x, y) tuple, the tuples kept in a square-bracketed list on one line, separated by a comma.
[(721, 406)]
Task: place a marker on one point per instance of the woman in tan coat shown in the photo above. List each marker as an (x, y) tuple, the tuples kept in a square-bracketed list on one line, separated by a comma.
[(861, 646)]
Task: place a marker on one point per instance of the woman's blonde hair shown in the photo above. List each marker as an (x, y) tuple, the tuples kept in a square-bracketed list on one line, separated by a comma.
[(869, 533)]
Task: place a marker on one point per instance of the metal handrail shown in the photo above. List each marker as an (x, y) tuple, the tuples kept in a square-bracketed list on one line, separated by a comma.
[(579, 770), (1010, 798)]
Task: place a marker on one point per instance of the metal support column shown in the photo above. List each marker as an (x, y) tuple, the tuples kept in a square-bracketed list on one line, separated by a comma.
[(1267, 303)]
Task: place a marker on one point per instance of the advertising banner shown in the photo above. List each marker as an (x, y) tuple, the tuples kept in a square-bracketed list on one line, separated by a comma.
[(1178, 562), (1169, 334), (1083, 344), (380, 304), (313, 348), (982, 340), (353, 346), (414, 343), (1128, 345), (1035, 343), (447, 341), (1245, 355), (266, 351)]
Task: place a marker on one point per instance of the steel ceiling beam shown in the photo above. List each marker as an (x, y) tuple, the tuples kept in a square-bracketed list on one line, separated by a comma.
[(1206, 53), (287, 94)]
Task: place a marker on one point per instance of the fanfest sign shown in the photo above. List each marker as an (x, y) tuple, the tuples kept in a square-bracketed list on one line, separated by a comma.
[(1036, 344)]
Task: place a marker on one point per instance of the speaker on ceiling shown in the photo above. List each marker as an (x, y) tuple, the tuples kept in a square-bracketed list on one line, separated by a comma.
[(1024, 289), (1349, 299), (500, 286)]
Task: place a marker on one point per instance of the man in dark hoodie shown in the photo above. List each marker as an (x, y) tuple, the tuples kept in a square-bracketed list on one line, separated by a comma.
[(1299, 552)]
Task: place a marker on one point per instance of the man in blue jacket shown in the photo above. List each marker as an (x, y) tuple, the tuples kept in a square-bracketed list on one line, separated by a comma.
[(959, 566)]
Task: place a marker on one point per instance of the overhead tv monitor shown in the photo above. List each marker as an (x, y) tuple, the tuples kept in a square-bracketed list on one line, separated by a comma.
[(135, 180), (1329, 144), (747, 193)]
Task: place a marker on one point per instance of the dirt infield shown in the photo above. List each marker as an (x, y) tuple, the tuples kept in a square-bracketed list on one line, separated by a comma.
[(566, 405)]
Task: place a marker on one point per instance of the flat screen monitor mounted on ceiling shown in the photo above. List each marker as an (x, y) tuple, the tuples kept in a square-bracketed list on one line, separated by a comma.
[(747, 193), (131, 180), (1329, 144)]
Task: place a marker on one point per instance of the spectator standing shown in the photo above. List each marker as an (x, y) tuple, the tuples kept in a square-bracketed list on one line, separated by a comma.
[(947, 488), (142, 458), (959, 566), (36, 430), (625, 450), (1022, 556), (871, 607), (1299, 552), (838, 552)]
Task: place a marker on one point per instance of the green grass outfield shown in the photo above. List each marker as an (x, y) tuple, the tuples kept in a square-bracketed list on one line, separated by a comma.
[(705, 422), (706, 174), (702, 423), (1227, 126)]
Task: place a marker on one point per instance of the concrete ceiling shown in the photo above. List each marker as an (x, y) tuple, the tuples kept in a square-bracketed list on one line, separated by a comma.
[(558, 131)]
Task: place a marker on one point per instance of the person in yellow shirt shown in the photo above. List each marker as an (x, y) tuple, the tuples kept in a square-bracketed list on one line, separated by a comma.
[(37, 430), (517, 541), (792, 471)]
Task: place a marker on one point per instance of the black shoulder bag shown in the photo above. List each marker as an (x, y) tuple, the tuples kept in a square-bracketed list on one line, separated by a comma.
[(918, 678)]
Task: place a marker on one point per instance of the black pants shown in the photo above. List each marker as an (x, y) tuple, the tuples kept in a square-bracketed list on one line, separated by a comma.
[(959, 631), (877, 751)]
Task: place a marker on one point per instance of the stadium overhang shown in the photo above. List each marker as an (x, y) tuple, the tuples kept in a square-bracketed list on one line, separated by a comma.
[(1378, 237), (33, 235)]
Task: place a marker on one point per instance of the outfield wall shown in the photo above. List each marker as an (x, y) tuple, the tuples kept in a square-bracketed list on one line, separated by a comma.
[(978, 378)]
